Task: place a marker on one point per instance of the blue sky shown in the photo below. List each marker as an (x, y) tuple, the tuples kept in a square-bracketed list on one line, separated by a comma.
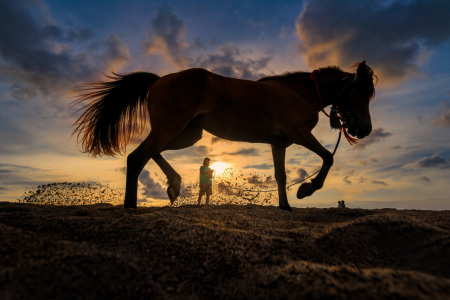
[(47, 47)]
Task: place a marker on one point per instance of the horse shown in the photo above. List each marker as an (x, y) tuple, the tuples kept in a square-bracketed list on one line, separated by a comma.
[(279, 110)]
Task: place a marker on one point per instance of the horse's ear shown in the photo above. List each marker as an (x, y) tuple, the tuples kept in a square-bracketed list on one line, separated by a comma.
[(361, 68)]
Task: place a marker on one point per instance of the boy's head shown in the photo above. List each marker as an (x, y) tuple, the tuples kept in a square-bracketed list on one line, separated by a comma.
[(206, 162)]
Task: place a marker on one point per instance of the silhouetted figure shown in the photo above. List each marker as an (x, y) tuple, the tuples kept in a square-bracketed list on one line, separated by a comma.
[(343, 203), (205, 181), (340, 204)]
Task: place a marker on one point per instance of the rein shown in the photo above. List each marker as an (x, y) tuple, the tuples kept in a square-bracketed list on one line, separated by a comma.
[(337, 119)]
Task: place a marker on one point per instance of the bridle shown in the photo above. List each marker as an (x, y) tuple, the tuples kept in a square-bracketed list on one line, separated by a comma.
[(341, 113)]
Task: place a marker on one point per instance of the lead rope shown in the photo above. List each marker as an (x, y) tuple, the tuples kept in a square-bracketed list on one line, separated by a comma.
[(295, 183)]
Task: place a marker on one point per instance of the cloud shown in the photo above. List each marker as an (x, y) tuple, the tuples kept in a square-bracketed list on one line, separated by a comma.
[(345, 179), (434, 162), (232, 62), (167, 37), (39, 58), (301, 175), (443, 118), (19, 176), (261, 180), (193, 153), (263, 166), (151, 188), (122, 170), (426, 180), (376, 136), (243, 151), (293, 161), (390, 35), (379, 182)]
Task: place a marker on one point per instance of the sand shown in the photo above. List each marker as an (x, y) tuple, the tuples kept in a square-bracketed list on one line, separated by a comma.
[(222, 252)]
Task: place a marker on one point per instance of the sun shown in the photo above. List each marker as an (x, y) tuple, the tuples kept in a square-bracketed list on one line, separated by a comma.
[(219, 167)]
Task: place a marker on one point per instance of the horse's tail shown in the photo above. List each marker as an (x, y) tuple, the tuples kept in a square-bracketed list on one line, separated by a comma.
[(116, 112)]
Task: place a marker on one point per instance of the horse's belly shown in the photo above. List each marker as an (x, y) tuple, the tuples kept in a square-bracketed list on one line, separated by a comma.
[(241, 132)]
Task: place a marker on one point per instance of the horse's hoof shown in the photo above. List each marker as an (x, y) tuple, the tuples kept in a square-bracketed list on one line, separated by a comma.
[(173, 193), (129, 205), (305, 190), (286, 207)]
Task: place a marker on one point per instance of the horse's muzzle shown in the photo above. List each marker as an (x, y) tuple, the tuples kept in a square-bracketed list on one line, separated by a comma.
[(360, 131), (364, 131)]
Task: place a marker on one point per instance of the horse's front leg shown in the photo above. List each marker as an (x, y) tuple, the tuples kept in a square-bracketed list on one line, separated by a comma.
[(279, 154), (307, 140)]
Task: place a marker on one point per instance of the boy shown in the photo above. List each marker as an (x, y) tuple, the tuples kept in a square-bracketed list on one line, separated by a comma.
[(205, 181)]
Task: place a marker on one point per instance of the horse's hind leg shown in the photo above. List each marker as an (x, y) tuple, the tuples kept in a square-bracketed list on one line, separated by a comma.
[(188, 137), (137, 160), (173, 178)]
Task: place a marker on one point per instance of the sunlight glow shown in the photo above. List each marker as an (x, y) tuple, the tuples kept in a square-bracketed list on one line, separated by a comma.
[(219, 167)]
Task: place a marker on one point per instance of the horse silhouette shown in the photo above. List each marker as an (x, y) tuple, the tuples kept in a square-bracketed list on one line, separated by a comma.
[(277, 110)]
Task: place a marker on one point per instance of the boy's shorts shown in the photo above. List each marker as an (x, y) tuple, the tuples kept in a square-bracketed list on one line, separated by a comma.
[(206, 188)]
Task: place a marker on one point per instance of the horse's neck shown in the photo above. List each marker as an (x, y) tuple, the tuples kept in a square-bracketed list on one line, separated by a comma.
[(328, 93)]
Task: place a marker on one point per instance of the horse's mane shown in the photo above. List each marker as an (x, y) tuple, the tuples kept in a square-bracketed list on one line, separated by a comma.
[(293, 76), (327, 71)]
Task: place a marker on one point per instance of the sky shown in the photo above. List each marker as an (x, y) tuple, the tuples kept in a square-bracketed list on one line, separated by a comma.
[(47, 47)]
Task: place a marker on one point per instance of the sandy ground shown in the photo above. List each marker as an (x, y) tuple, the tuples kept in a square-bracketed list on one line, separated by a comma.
[(222, 252)]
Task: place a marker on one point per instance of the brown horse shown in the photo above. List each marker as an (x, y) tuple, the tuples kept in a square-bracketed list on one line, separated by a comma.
[(277, 110)]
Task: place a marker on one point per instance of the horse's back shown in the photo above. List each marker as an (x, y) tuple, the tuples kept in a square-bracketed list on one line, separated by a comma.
[(235, 109)]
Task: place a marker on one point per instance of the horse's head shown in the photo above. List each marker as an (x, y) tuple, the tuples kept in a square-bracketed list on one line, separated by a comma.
[(358, 120)]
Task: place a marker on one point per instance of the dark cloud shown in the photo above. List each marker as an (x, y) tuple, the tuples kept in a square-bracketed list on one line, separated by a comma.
[(390, 35), (38, 56), (379, 182), (151, 188), (425, 179), (192, 154), (261, 180), (122, 170), (243, 151), (366, 162), (443, 118), (434, 162), (376, 136), (215, 139), (20, 176), (346, 180), (232, 62), (263, 166), (293, 161), (168, 38), (301, 174)]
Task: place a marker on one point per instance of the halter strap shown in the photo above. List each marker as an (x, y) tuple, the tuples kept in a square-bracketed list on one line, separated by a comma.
[(337, 115), (314, 77)]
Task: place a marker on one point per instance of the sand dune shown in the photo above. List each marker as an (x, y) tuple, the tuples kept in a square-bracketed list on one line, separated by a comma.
[(222, 252)]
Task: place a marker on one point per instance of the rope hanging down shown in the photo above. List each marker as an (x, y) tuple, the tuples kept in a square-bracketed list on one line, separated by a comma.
[(295, 183)]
